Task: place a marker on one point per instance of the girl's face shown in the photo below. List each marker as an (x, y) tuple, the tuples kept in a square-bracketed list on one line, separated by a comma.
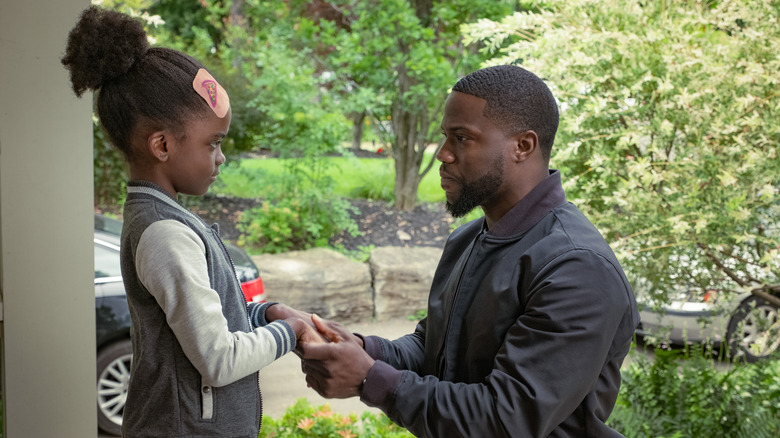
[(195, 158)]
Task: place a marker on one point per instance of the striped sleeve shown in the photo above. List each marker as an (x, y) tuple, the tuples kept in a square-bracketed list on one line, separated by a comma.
[(171, 264), (256, 313), (284, 336)]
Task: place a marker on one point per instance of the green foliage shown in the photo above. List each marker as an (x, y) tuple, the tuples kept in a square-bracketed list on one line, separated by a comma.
[(110, 169), (285, 223), (669, 136), (420, 314), (304, 420), (672, 397), (395, 60), (473, 214), (375, 186)]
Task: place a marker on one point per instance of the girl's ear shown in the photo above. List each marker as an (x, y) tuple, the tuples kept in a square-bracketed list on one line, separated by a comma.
[(526, 144), (157, 144)]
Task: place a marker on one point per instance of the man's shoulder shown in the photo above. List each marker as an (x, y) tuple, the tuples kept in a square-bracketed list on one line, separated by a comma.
[(568, 229), (573, 223)]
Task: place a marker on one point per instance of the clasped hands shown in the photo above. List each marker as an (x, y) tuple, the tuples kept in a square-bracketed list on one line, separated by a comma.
[(332, 358)]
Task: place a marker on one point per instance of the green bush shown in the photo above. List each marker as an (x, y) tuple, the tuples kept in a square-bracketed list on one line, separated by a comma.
[(305, 420), (307, 220), (374, 186), (685, 395)]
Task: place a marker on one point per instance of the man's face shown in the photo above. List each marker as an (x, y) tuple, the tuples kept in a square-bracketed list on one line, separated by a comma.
[(472, 157)]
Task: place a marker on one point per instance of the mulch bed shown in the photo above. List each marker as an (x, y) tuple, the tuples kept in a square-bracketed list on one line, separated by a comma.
[(379, 224)]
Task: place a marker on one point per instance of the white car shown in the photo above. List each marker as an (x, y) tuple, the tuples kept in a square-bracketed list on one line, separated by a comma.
[(748, 325)]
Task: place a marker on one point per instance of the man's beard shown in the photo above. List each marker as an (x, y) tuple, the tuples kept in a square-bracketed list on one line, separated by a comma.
[(477, 193)]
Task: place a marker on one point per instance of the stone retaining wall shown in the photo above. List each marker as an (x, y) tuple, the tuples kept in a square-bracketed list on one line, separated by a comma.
[(394, 283)]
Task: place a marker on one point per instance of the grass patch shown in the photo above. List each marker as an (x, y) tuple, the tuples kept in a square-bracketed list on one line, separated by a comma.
[(363, 178)]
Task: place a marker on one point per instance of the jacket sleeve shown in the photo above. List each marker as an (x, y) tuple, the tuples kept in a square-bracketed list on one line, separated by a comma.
[(171, 264), (550, 363), (405, 353), (256, 312)]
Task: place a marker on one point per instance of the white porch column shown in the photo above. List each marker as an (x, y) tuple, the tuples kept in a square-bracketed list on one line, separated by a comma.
[(46, 227)]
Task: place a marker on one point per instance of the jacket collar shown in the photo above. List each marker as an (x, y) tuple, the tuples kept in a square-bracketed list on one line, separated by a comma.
[(140, 188), (546, 196)]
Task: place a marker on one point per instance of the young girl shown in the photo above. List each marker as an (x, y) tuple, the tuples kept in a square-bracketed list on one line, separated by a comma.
[(197, 344)]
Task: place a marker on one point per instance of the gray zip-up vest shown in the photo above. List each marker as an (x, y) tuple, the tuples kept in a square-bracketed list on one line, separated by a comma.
[(166, 397)]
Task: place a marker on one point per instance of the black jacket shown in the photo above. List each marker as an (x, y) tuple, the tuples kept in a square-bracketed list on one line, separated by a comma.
[(528, 324)]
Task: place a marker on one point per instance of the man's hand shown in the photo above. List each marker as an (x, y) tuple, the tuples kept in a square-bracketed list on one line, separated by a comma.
[(334, 331), (336, 369)]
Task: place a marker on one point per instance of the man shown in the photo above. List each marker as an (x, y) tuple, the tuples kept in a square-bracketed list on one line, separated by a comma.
[(530, 314)]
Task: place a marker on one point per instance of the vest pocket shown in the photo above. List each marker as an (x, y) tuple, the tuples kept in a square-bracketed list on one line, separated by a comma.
[(207, 402)]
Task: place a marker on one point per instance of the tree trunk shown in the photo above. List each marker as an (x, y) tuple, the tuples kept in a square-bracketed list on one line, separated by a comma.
[(407, 164), (410, 129), (236, 18), (423, 9), (357, 129)]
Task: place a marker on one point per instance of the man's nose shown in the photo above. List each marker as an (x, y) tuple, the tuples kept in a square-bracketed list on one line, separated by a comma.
[(445, 154)]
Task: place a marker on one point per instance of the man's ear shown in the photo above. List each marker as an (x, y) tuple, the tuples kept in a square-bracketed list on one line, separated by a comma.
[(526, 145), (157, 144)]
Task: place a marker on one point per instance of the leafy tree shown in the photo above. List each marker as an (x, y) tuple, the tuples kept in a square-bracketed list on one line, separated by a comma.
[(394, 61), (669, 131), (390, 62)]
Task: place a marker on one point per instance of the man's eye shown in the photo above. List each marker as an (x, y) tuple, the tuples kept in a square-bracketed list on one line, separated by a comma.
[(216, 144), (458, 138)]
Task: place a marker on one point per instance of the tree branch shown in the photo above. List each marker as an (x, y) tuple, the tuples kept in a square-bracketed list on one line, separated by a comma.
[(726, 270), (761, 292)]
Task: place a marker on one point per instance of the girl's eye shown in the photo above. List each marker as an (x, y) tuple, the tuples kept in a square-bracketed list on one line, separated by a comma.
[(216, 144)]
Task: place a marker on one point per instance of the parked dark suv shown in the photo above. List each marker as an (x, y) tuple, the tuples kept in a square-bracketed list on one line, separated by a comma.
[(112, 318)]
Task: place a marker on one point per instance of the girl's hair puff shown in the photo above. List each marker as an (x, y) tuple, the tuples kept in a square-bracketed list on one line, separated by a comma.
[(139, 89)]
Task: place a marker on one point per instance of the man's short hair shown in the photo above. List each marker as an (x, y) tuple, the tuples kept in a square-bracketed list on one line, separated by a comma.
[(517, 101)]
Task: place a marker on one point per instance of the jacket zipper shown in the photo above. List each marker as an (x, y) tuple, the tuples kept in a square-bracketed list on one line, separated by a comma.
[(442, 358), (248, 321)]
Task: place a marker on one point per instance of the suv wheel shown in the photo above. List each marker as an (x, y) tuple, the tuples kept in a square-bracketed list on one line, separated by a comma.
[(754, 330), (113, 377)]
